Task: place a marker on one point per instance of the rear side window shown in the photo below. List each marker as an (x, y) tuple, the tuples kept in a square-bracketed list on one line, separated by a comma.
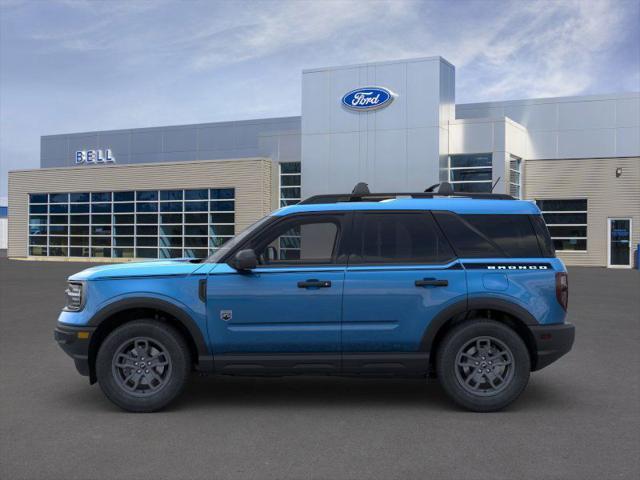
[(478, 236), (395, 238)]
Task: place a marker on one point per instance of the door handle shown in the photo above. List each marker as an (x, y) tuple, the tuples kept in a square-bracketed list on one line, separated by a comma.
[(313, 283), (431, 282)]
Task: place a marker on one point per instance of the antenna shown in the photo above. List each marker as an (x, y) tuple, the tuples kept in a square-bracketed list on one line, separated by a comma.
[(494, 185)]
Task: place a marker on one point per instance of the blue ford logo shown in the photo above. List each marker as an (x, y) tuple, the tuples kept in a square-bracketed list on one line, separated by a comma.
[(368, 98)]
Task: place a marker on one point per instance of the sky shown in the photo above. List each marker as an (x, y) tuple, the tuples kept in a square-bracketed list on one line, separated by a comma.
[(73, 66)]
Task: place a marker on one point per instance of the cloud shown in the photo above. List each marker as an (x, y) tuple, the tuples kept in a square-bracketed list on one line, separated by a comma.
[(70, 66)]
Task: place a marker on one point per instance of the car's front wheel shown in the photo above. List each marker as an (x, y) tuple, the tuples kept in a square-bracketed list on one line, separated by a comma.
[(143, 365), (483, 365)]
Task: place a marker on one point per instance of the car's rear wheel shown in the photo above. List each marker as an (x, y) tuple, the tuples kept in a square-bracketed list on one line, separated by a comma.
[(483, 365), (143, 365)]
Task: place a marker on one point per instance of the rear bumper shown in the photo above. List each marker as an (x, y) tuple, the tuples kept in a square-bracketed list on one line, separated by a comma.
[(552, 342), (75, 343)]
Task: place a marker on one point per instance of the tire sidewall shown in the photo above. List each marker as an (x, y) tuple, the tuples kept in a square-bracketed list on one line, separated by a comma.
[(176, 349), (446, 364)]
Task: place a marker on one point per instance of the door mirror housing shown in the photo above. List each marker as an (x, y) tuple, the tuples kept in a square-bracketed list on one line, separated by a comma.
[(244, 260)]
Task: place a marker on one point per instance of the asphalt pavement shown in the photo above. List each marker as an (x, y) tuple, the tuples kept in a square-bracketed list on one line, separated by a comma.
[(579, 418)]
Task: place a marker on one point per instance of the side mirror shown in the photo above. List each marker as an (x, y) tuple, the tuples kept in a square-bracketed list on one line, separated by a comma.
[(244, 260)]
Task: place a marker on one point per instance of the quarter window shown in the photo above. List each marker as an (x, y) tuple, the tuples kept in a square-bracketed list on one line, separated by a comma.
[(397, 238), (567, 222)]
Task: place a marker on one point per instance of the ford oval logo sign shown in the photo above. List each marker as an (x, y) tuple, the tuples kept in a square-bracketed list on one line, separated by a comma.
[(368, 98)]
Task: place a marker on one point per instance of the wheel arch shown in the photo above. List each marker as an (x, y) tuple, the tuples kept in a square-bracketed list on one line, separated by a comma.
[(500, 310), (118, 313)]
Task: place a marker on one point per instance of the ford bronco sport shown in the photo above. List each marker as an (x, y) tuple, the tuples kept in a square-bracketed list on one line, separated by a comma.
[(463, 287)]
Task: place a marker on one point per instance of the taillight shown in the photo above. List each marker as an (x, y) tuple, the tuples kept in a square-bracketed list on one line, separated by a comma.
[(562, 289)]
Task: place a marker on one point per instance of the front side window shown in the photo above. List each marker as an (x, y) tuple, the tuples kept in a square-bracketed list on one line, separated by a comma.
[(399, 238), (307, 240), (567, 222)]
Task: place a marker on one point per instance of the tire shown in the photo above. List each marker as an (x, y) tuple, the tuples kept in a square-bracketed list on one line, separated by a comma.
[(483, 365), (138, 385)]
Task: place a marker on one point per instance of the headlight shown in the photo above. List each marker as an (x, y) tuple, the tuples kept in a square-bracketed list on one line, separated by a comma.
[(74, 296)]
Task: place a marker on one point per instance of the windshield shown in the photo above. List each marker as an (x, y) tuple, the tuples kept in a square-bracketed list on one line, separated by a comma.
[(231, 244)]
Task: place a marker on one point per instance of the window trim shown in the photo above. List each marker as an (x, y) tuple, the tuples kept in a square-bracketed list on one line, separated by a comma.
[(586, 225), (341, 218), (356, 226)]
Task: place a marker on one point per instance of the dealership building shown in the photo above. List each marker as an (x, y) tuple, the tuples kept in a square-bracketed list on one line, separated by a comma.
[(182, 191)]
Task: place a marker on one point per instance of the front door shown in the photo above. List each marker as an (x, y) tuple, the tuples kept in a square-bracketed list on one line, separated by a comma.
[(619, 245), (284, 315), (401, 273)]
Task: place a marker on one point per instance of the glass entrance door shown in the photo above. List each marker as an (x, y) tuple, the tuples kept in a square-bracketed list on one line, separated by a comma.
[(619, 242)]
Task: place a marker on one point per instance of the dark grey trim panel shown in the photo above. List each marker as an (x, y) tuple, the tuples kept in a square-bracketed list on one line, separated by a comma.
[(366, 363), (277, 364), (156, 304), (479, 303), (552, 342)]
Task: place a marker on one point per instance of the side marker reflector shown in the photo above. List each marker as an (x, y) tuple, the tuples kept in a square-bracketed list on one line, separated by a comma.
[(83, 335)]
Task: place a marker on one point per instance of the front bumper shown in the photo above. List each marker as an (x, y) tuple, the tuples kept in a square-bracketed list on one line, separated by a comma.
[(75, 343), (552, 342)]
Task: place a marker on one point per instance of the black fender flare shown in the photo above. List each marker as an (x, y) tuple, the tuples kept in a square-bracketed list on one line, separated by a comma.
[(473, 303), (205, 359)]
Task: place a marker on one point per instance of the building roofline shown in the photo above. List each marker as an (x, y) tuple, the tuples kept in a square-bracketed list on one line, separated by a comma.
[(253, 121), (534, 101), (384, 62)]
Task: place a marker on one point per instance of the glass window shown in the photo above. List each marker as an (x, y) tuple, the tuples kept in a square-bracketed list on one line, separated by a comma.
[(171, 207), (196, 207), (146, 230), (38, 251), (566, 221), (79, 197), (101, 197), (38, 209), (308, 240), (134, 222), (471, 173), (79, 241), (513, 234), (58, 208), (515, 177), (148, 196), (382, 238), (101, 208), (467, 241), (38, 198), (58, 197), (123, 207), (80, 208), (290, 183), (201, 194), (146, 207), (101, 219), (171, 195), (123, 196), (222, 193)]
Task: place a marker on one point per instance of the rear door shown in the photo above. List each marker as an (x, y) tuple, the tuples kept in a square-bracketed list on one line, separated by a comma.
[(401, 273)]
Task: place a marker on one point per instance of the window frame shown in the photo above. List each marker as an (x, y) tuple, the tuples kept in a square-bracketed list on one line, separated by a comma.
[(451, 169), (585, 225), (357, 226)]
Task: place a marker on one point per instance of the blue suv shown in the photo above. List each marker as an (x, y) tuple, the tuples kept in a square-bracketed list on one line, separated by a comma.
[(462, 287)]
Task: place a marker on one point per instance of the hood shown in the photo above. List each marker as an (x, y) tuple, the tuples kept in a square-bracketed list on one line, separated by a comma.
[(140, 269)]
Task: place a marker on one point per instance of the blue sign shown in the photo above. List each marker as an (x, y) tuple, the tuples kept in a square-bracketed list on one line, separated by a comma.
[(368, 98)]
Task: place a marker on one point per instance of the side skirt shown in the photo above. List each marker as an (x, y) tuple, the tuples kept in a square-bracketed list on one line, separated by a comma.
[(406, 364)]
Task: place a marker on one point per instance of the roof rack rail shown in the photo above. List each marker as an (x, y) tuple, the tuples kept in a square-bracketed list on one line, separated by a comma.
[(361, 193)]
